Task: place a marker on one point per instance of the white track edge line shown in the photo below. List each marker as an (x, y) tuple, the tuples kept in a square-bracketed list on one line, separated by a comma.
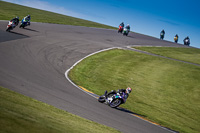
[(66, 73)]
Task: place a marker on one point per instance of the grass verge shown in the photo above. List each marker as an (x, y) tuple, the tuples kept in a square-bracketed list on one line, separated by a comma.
[(9, 11), (165, 91), (19, 114), (185, 54)]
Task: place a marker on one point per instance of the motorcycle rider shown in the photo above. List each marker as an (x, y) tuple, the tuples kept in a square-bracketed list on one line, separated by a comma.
[(176, 38), (186, 41), (126, 30), (28, 19), (128, 27), (15, 20), (162, 34), (122, 24), (121, 27), (126, 91)]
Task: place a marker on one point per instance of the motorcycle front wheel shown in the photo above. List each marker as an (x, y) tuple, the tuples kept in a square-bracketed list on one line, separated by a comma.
[(115, 103)]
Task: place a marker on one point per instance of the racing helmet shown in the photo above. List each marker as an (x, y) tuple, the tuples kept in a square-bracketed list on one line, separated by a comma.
[(29, 16), (128, 90), (17, 17)]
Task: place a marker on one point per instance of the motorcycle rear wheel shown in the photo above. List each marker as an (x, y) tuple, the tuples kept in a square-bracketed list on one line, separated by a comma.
[(22, 26), (101, 99)]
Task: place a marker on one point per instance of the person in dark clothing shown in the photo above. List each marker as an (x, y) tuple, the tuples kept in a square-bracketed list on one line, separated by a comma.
[(122, 24), (28, 19), (15, 20), (162, 34), (121, 27), (128, 27), (127, 91)]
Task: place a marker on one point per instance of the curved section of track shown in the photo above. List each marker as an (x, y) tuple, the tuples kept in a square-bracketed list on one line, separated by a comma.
[(34, 60)]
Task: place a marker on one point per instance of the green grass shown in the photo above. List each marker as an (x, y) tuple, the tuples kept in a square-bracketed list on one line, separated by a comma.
[(165, 91), (9, 11), (19, 114), (185, 54)]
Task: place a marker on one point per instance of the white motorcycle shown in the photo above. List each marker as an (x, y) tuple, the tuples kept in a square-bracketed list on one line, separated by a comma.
[(125, 31), (11, 25), (113, 99)]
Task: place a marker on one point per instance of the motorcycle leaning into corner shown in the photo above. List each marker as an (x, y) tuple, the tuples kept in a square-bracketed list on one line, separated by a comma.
[(161, 36), (11, 25), (113, 99), (176, 39), (120, 29), (186, 41), (125, 31), (24, 23)]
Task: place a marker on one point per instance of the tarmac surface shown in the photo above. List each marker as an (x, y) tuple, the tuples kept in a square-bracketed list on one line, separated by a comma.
[(34, 61)]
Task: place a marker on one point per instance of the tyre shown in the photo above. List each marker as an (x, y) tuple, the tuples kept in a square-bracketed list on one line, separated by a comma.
[(102, 99), (8, 29), (22, 26), (115, 103), (162, 37), (119, 31), (125, 33)]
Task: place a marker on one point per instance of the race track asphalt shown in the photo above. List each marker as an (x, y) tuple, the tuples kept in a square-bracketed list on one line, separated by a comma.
[(34, 61)]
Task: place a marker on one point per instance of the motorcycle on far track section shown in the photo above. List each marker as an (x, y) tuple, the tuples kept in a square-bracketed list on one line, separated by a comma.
[(186, 41), (112, 99), (120, 30), (125, 31), (11, 25), (24, 23)]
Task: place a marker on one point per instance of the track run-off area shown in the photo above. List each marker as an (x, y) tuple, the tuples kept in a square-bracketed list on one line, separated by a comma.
[(34, 62)]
